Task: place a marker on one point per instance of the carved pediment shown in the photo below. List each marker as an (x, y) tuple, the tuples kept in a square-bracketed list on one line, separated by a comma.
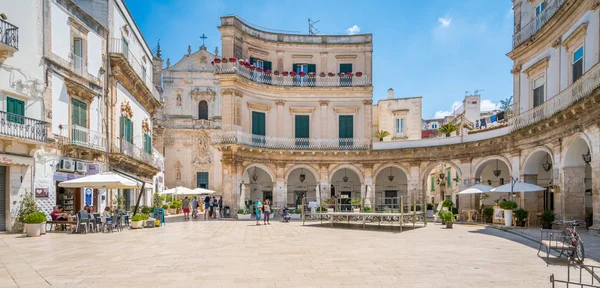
[(126, 109), (79, 91), (201, 94), (145, 126)]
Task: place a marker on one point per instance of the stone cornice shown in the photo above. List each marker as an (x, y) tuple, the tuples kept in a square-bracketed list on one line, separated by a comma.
[(258, 106), (346, 110), (302, 110), (538, 66), (576, 37)]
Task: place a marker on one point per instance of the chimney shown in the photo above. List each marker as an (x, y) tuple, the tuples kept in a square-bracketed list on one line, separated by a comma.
[(390, 93)]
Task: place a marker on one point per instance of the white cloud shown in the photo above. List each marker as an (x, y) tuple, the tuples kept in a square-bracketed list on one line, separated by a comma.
[(441, 114), (488, 105), (445, 22), (353, 30)]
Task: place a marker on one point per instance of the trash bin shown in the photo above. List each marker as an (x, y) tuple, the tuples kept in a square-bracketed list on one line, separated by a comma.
[(226, 213)]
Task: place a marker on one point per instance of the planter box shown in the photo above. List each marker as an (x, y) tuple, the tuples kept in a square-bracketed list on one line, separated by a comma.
[(430, 213), (172, 211), (43, 228), (356, 210), (329, 209), (137, 224), (296, 216), (244, 216), (33, 230)]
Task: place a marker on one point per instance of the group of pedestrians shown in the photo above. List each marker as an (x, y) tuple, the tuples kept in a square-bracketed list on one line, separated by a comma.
[(210, 207), (264, 208)]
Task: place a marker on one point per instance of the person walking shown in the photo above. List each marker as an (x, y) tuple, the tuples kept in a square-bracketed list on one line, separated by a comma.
[(267, 211), (206, 207), (220, 203), (195, 207), (257, 207), (185, 204)]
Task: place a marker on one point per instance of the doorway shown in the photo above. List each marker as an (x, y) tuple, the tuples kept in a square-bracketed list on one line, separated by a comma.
[(268, 195), (298, 195), (345, 200)]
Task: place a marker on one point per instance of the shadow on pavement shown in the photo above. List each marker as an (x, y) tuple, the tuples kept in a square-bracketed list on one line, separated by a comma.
[(369, 227)]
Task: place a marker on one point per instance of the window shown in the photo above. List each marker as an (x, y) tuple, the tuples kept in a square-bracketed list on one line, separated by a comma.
[(577, 64), (126, 129), (78, 55), (15, 109), (258, 127), (125, 48), (432, 183), (400, 126), (538, 91), (540, 8), (302, 132), (203, 110), (78, 113), (202, 180), (346, 130), (147, 143), (306, 68), (259, 63), (448, 183), (434, 126), (345, 68)]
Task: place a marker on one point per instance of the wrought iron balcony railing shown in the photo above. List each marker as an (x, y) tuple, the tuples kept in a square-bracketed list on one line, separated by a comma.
[(81, 136), (298, 81), (531, 28), (121, 146), (9, 34), (191, 124), (260, 141), (22, 127), (583, 87)]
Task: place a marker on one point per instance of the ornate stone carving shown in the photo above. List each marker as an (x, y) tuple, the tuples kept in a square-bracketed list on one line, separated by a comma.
[(516, 69), (178, 99), (178, 167), (324, 102), (557, 42), (145, 126), (231, 92), (126, 109), (202, 150), (207, 94), (368, 102)]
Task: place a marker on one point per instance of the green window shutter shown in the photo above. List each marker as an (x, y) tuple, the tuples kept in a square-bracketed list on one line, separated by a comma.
[(268, 65), (312, 68), (432, 183), (147, 143), (345, 68), (448, 180), (302, 126), (202, 180), (16, 107), (130, 130), (252, 61), (346, 128), (78, 113), (295, 67), (122, 126), (258, 123)]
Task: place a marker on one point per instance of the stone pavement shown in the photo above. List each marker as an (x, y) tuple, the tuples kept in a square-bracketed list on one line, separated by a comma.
[(240, 254)]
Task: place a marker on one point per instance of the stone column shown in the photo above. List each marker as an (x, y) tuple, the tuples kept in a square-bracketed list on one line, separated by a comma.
[(280, 186), (368, 118), (415, 183), (325, 186), (229, 188), (516, 71), (595, 192), (324, 116), (572, 193), (369, 194), (280, 123)]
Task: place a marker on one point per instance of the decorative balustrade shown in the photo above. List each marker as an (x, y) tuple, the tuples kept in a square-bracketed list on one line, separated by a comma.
[(22, 127), (192, 124), (269, 78), (118, 46), (239, 137), (9, 34), (537, 23), (81, 136), (583, 87), (121, 146)]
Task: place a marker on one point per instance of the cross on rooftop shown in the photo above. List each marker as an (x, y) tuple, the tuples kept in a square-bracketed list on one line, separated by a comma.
[(203, 37)]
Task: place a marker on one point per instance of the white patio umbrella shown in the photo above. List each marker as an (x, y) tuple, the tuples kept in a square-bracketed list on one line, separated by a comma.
[(242, 202), (518, 187), (476, 189), (107, 180), (202, 191), (179, 190)]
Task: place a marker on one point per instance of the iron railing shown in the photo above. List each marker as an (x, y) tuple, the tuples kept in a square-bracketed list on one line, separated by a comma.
[(81, 136), (579, 278), (583, 87), (193, 124), (22, 127), (260, 141), (118, 46), (531, 28), (124, 147), (9, 34), (297, 81)]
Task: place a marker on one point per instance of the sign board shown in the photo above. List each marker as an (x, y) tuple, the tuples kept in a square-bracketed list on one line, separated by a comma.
[(93, 169), (498, 215), (41, 193), (89, 193), (313, 204)]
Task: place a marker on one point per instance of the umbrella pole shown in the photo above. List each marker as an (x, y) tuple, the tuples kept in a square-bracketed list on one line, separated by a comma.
[(137, 203)]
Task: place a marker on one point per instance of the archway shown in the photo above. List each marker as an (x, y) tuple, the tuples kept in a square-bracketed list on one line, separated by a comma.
[(441, 181), (538, 169), (348, 181), (391, 183), (492, 171), (203, 110), (258, 180), (302, 182), (577, 181)]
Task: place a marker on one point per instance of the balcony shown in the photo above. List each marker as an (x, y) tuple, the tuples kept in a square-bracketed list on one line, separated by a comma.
[(17, 126), (264, 77), (531, 28), (174, 123), (122, 147), (9, 39), (583, 87), (238, 137), (120, 50), (83, 137)]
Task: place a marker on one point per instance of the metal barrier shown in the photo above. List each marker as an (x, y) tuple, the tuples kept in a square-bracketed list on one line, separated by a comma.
[(580, 280)]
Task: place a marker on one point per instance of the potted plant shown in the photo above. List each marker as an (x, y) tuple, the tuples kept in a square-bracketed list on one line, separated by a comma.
[(173, 208), (322, 74), (321, 209), (302, 74), (447, 129), (521, 215), (252, 67), (429, 209), (349, 74), (329, 203), (448, 204), (547, 218), (381, 134), (284, 73), (224, 60), (247, 64), (241, 61), (137, 221), (293, 73), (178, 204), (312, 74), (367, 209), (232, 59), (217, 60), (296, 214), (358, 74), (267, 72), (508, 207), (243, 214), (259, 69), (341, 74), (33, 223), (331, 74), (487, 214), (447, 218), (356, 203)]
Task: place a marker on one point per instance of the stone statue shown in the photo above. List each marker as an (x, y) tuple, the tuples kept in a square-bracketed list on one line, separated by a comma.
[(178, 167), (217, 51), (178, 99)]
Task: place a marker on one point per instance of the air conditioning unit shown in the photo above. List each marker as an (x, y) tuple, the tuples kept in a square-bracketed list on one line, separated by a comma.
[(67, 165), (81, 167)]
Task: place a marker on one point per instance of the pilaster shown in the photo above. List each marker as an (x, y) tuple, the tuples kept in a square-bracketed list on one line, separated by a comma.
[(280, 104), (324, 126)]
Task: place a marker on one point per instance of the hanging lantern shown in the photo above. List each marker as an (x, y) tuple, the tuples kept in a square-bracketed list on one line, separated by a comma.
[(391, 177), (587, 158), (254, 176), (345, 178), (497, 171), (302, 176), (547, 165)]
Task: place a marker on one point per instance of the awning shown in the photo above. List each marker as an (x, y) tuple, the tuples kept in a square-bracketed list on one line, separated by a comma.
[(202, 191), (518, 187), (179, 190), (476, 189), (107, 180), (15, 160)]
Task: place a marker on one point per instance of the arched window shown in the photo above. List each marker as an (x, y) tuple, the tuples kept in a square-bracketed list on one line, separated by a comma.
[(203, 110)]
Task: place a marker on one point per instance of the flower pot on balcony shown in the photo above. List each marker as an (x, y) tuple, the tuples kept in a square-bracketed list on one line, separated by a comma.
[(232, 59), (322, 74), (224, 60), (276, 73), (241, 61), (284, 73), (331, 74), (217, 60), (358, 74)]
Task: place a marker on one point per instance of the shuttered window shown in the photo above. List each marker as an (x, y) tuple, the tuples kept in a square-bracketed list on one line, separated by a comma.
[(258, 128), (126, 129), (202, 180), (78, 113), (148, 143), (432, 183), (448, 180), (346, 130), (345, 68), (538, 91), (302, 132), (577, 65), (15, 109)]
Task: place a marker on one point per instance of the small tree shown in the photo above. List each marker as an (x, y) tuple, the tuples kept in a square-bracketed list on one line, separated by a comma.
[(156, 200), (28, 206), (447, 129), (381, 134), (120, 202)]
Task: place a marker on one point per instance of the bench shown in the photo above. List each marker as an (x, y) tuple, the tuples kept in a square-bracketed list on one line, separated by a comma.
[(52, 223), (554, 240)]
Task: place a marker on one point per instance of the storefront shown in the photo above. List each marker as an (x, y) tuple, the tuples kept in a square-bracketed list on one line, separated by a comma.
[(74, 199), (15, 181)]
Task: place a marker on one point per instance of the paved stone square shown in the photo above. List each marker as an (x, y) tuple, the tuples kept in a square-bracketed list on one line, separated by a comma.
[(240, 254)]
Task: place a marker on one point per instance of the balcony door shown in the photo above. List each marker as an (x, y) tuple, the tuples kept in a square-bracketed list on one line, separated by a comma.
[(16, 110), (202, 180), (79, 121), (346, 130), (302, 130), (345, 68), (258, 128)]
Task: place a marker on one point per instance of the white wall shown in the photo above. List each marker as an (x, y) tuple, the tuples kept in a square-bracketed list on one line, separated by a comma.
[(61, 32), (60, 103), (96, 109), (94, 49), (139, 114)]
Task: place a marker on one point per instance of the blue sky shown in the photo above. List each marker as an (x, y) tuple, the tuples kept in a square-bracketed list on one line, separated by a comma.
[(437, 49)]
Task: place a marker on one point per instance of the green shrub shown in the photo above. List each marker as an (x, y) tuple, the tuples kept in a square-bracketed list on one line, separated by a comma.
[(35, 218), (412, 208), (243, 211), (321, 209), (177, 203), (454, 210), (138, 217), (521, 214), (447, 203), (356, 202), (156, 200), (367, 209), (488, 213), (508, 205), (297, 211), (173, 206), (27, 207), (447, 216), (547, 216), (165, 206), (429, 206)]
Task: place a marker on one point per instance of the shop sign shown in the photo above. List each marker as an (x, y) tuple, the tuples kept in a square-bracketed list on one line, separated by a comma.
[(92, 169), (89, 199), (41, 193), (61, 176)]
